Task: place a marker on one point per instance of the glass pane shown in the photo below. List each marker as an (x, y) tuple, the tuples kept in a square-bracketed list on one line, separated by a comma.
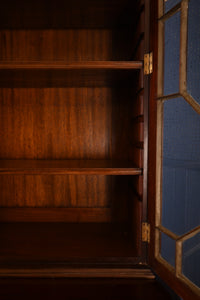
[(170, 4), (193, 54), (191, 259), (181, 167), (168, 249), (171, 54)]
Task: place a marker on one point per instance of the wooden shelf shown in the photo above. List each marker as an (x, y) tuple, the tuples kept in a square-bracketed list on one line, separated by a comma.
[(68, 74), (93, 167), (81, 65), (64, 243)]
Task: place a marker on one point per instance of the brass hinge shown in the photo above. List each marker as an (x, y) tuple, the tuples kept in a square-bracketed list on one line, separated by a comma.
[(148, 63), (146, 232)]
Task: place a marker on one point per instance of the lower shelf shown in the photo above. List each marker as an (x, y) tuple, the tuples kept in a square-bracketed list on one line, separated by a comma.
[(92, 167), (64, 243)]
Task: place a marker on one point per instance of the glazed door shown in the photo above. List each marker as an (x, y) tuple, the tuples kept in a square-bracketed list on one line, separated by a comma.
[(177, 204)]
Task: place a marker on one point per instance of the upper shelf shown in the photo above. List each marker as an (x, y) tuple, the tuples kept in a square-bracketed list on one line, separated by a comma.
[(41, 74), (64, 167), (81, 65)]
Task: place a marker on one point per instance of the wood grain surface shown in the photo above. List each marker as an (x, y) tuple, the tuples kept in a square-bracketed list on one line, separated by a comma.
[(71, 110), (56, 191), (94, 167), (57, 65)]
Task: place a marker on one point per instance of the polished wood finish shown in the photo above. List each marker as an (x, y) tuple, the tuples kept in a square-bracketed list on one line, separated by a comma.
[(152, 128), (72, 112), (68, 74), (44, 214), (61, 191), (65, 123), (94, 167), (110, 194), (138, 125), (71, 115), (59, 65)]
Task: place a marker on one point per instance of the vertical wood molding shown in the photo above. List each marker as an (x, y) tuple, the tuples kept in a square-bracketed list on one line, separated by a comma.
[(160, 52), (178, 259), (159, 149), (183, 47), (159, 134)]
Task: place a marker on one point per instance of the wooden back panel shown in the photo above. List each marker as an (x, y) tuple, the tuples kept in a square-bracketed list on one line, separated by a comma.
[(63, 121)]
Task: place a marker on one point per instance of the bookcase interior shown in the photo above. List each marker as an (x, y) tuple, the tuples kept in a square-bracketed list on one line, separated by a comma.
[(72, 123)]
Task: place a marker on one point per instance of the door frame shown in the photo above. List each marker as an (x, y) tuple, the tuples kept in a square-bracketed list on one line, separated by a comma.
[(168, 275)]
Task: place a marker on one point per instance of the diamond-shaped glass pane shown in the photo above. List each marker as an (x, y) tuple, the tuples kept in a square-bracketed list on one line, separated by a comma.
[(172, 54), (191, 259), (181, 167)]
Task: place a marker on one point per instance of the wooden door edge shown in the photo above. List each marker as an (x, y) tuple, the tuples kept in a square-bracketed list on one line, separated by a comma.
[(168, 276), (178, 286)]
